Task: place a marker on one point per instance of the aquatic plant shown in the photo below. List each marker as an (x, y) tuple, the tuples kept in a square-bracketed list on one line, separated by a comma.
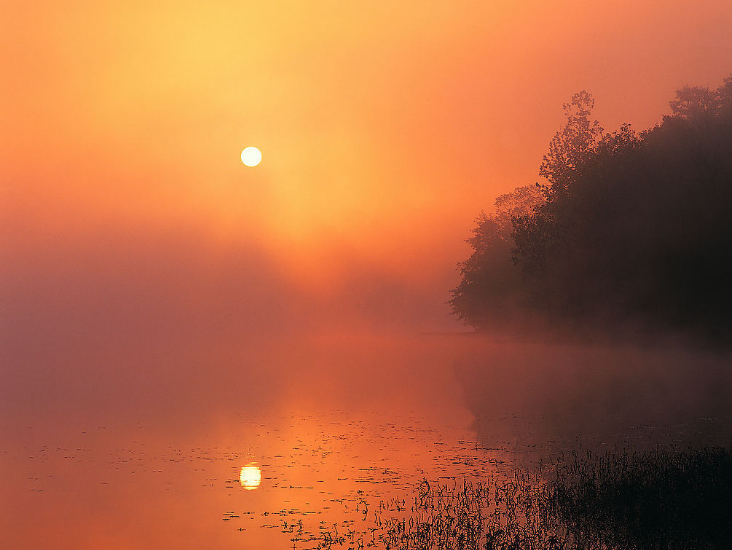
[(661, 500), (501, 514)]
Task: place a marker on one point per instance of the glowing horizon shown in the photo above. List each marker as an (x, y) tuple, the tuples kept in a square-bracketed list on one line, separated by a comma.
[(386, 131)]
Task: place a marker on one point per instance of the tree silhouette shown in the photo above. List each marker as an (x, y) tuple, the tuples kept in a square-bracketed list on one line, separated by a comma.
[(489, 276), (624, 226)]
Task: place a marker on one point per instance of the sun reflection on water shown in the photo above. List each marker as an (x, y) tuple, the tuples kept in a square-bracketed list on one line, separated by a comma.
[(250, 476)]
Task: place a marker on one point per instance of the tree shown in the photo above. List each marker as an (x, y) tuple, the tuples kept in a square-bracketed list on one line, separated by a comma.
[(522, 201), (544, 231), (490, 282), (624, 226), (696, 102), (571, 145)]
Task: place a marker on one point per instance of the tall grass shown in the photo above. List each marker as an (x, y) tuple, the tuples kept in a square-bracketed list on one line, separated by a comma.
[(660, 500), (663, 499)]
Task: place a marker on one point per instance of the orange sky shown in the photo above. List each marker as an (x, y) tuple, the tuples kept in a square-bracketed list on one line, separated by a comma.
[(385, 128), (147, 275)]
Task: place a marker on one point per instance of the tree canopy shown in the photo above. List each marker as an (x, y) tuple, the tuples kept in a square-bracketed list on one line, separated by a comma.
[(624, 226)]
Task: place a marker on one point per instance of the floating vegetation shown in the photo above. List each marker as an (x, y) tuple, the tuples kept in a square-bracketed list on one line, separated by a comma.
[(500, 514), (660, 500)]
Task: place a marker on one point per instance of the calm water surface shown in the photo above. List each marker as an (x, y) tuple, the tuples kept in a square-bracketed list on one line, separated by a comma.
[(111, 456)]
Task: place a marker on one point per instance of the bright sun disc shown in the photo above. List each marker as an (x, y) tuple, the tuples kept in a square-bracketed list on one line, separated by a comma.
[(251, 156), (250, 476)]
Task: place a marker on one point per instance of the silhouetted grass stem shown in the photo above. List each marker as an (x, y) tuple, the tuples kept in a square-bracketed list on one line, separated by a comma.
[(665, 499)]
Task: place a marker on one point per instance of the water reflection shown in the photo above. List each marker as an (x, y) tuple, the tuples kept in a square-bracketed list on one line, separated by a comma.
[(347, 426), (329, 472), (250, 476)]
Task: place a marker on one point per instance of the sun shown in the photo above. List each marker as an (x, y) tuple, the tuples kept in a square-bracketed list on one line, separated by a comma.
[(251, 156), (250, 476)]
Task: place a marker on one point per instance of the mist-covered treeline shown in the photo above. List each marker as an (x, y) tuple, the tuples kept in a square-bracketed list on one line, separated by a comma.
[(626, 229)]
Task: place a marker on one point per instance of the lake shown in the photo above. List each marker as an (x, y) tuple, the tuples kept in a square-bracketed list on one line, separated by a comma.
[(145, 449)]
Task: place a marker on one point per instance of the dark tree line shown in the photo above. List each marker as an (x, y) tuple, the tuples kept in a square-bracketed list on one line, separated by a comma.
[(626, 226)]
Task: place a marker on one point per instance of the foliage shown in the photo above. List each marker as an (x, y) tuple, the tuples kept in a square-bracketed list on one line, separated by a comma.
[(624, 226), (489, 276)]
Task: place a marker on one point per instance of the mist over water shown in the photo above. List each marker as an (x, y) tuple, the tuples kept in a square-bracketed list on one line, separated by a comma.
[(169, 316), (156, 433), (562, 397), (141, 372)]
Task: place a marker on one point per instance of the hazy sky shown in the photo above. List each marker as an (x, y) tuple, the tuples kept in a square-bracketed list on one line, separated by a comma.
[(385, 128), (154, 290)]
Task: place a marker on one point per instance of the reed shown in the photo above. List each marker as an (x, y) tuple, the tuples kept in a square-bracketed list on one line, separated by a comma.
[(665, 499)]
